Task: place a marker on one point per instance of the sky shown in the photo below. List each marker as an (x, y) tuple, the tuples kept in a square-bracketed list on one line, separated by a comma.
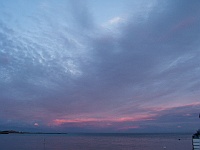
[(100, 65)]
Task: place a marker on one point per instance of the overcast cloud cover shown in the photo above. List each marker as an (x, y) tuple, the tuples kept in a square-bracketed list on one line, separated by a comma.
[(100, 65)]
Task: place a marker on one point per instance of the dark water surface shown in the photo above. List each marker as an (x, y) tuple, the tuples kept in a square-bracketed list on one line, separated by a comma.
[(96, 142)]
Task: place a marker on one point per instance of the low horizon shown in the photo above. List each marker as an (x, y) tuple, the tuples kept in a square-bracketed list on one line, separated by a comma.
[(82, 132)]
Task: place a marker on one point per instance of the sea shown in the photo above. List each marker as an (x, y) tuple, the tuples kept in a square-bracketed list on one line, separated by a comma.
[(96, 141)]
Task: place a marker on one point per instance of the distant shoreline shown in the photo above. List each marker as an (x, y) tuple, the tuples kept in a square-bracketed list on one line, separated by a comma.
[(83, 133), (20, 132)]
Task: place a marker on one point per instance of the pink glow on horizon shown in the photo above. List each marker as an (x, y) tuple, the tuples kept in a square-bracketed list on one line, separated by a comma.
[(89, 119), (58, 122)]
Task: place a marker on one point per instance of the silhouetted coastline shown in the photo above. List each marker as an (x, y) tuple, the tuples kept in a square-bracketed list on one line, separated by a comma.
[(12, 132), (21, 132)]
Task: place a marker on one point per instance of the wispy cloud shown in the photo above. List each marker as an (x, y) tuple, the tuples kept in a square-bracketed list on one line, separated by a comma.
[(62, 68)]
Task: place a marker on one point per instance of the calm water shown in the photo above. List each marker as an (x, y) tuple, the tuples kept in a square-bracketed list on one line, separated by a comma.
[(96, 142)]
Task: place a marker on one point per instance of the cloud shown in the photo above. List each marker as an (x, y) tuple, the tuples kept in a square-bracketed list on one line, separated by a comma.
[(115, 20), (69, 71), (81, 14)]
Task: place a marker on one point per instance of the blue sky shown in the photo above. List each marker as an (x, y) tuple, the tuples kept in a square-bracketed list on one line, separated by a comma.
[(100, 65)]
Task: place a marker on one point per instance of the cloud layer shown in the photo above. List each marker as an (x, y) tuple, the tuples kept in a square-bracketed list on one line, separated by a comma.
[(61, 69)]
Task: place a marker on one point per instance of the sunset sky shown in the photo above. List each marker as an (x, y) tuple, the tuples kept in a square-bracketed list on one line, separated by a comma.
[(100, 65)]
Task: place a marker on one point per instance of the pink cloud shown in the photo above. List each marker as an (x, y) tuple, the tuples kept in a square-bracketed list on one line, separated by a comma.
[(179, 26), (171, 106), (106, 121), (36, 124)]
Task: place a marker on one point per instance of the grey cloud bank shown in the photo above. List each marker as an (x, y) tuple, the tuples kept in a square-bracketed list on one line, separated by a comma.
[(62, 70)]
